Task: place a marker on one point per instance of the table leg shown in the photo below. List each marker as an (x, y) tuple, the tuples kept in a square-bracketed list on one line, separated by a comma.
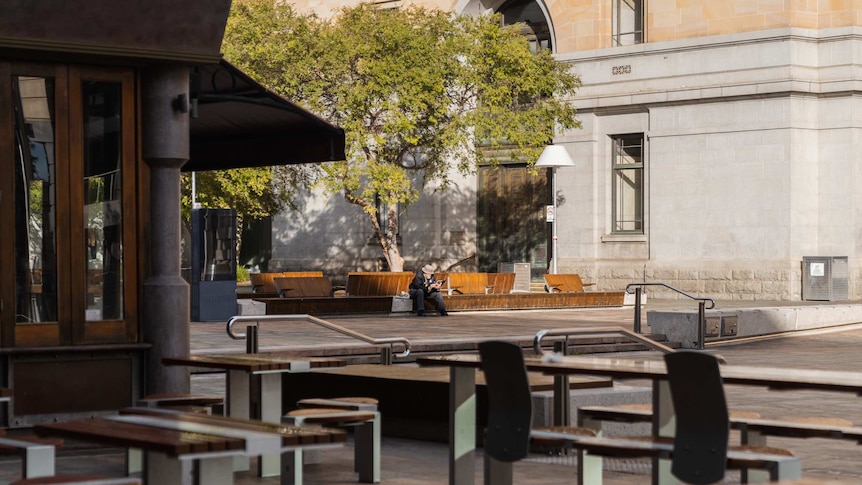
[(462, 425), (664, 424), (163, 469), (239, 405), (215, 471), (270, 412), (561, 401)]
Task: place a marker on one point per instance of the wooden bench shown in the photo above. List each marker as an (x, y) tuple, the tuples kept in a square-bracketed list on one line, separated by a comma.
[(753, 429), (184, 401), (465, 283), (779, 466), (565, 283), (293, 438), (264, 283), (366, 456), (38, 454), (501, 283), (378, 283), (303, 286), (78, 480)]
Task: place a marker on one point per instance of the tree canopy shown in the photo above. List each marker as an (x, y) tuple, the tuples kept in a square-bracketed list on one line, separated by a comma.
[(417, 91)]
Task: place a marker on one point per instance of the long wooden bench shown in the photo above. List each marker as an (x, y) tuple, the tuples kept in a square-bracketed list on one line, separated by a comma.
[(303, 286), (78, 480), (779, 466), (753, 429), (264, 283), (378, 283), (477, 283), (565, 283)]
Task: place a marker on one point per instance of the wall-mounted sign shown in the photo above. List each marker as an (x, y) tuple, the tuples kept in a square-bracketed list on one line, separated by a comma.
[(817, 269)]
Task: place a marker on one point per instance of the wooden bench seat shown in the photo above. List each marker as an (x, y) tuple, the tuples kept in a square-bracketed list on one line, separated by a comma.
[(753, 429), (78, 480), (38, 454), (303, 286), (778, 464), (565, 283), (378, 283), (477, 283), (264, 283), (366, 459)]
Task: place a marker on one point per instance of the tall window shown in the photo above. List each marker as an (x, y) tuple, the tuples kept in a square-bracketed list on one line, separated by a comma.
[(628, 21), (628, 186)]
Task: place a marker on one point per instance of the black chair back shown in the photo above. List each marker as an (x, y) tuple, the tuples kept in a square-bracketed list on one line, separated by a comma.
[(702, 425), (510, 406)]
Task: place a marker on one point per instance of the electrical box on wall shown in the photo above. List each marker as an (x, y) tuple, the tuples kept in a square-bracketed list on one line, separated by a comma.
[(824, 278)]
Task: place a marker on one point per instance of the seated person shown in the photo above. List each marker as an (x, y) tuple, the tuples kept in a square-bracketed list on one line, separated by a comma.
[(425, 287)]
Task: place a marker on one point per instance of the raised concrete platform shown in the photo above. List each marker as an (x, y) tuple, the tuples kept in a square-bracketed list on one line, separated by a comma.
[(729, 324)]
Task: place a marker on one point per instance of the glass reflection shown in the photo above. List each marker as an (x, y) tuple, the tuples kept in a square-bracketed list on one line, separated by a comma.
[(103, 211), (35, 200)]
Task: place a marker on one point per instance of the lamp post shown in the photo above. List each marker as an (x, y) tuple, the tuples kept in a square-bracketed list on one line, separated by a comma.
[(554, 156)]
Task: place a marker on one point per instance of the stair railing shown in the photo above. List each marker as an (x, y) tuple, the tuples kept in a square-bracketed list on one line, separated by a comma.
[(251, 335), (701, 308)]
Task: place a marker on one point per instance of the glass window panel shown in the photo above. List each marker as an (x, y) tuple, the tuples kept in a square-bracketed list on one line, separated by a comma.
[(628, 22), (35, 200), (103, 209), (628, 196)]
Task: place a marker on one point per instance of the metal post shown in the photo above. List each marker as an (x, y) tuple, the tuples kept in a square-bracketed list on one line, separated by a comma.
[(554, 221), (386, 356), (561, 392), (701, 323), (636, 328), (251, 345)]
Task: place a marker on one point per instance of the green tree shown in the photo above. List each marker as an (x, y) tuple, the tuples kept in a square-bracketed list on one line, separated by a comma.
[(417, 91)]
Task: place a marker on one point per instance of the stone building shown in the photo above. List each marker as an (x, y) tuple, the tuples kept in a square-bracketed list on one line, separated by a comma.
[(717, 153)]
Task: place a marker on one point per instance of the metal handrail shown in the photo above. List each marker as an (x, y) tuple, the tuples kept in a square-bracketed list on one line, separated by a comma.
[(256, 319), (567, 332), (701, 307)]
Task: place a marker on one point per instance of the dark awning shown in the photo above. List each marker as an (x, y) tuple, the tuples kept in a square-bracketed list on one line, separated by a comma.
[(242, 124)]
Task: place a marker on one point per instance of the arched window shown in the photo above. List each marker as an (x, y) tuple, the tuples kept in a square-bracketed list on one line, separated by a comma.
[(530, 15)]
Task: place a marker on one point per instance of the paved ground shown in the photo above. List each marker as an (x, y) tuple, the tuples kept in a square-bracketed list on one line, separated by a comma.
[(408, 462)]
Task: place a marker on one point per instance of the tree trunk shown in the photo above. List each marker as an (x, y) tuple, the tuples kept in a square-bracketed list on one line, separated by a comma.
[(388, 241)]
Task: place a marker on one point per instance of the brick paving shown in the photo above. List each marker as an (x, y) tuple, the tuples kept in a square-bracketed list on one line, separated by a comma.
[(409, 462)]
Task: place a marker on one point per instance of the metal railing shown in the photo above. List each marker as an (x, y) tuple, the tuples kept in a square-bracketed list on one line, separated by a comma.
[(251, 335), (571, 332), (561, 382), (701, 307)]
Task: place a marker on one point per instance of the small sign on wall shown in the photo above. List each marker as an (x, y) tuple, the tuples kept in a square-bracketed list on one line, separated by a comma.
[(817, 269), (550, 213)]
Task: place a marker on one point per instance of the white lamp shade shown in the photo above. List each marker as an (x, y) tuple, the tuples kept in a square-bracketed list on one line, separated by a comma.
[(555, 156)]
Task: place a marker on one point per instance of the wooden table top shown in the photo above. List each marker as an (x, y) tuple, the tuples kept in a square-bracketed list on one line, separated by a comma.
[(291, 435), (255, 362), (440, 374), (130, 435), (771, 377)]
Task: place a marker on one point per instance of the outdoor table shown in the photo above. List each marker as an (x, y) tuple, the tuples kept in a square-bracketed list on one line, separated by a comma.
[(169, 439), (240, 368), (462, 399)]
